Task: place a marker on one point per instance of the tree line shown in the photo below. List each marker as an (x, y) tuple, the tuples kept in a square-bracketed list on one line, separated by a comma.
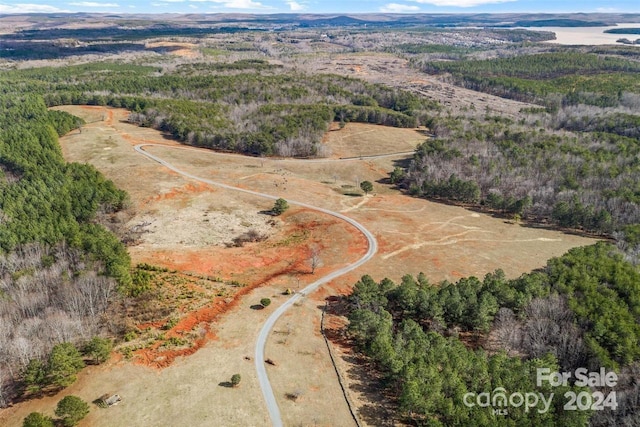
[(531, 168), (552, 79), (248, 106), (59, 267), (435, 343)]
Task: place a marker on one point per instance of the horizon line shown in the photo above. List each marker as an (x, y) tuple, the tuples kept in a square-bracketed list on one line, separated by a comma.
[(318, 13)]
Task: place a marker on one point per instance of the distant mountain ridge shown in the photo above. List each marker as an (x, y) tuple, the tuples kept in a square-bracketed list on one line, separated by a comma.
[(306, 19), (562, 23)]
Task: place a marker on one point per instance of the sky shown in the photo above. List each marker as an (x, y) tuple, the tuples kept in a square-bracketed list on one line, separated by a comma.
[(317, 6)]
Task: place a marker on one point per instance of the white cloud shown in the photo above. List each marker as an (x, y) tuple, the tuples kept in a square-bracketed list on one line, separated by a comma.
[(295, 6), (93, 4), (461, 3), (234, 4), (398, 8), (30, 8), (240, 4)]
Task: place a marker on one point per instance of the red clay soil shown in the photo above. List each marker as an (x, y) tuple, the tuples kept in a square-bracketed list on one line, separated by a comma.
[(153, 325), (157, 357), (253, 266), (184, 191)]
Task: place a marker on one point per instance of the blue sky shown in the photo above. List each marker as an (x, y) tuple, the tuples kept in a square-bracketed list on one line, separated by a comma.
[(317, 6)]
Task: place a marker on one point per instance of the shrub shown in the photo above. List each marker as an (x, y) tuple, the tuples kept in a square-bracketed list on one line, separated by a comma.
[(130, 336), (280, 206), (141, 282), (99, 349), (265, 302), (294, 395), (250, 236), (71, 409), (235, 380), (36, 419), (366, 186)]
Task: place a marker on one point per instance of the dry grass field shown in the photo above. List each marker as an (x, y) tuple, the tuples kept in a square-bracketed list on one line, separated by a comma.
[(359, 139), (188, 225)]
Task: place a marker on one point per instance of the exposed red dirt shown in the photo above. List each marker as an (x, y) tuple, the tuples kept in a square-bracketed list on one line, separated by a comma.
[(184, 191), (274, 262), (158, 357)]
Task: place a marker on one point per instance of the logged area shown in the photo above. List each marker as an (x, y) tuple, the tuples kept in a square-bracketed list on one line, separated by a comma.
[(466, 201)]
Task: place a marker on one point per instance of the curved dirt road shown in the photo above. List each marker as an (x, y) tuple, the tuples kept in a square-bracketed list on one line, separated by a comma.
[(265, 385)]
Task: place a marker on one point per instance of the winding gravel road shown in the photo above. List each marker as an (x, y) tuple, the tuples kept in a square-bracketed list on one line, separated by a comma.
[(265, 385)]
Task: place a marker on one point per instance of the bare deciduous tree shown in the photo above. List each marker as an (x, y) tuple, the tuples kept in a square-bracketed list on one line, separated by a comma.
[(50, 297), (314, 258), (550, 327), (507, 331)]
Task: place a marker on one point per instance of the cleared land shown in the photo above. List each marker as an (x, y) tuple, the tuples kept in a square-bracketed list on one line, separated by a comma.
[(359, 139), (393, 71), (188, 226)]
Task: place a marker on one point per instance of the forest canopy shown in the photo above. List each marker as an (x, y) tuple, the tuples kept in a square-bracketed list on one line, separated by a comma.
[(435, 343), (248, 106), (46, 200), (577, 77), (59, 267)]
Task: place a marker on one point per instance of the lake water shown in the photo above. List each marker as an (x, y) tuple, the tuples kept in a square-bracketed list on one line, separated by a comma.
[(588, 35)]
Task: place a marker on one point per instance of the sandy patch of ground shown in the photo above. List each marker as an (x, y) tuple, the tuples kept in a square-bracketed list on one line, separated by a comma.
[(197, 219), (185, 50)]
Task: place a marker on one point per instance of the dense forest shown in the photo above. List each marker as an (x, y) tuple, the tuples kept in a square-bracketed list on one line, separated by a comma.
[(586, 180), (577, 77), (249, 106), (433, 344), (573, 163), (59, 266)]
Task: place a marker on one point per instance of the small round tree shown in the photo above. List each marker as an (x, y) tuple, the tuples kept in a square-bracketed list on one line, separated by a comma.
[(366, 186), (265, 302), (71, 409), (99, 349), (280, 206), (235, 380), (36, 419)]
